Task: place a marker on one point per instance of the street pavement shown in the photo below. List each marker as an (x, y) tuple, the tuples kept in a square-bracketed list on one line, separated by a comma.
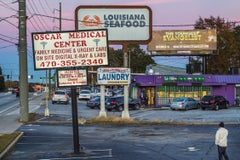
[(10, 122)]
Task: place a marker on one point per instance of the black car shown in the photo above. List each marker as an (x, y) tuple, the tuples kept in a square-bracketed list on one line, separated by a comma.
[(117, 103), (95, 102), (214, 102)]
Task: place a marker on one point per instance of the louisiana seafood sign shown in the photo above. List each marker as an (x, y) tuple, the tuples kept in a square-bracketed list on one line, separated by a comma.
[(124, 23), (113, 76)]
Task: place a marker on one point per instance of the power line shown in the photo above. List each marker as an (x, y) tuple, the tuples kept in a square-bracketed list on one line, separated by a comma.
[(5, 40), (8, 37), (7, 6), (43, 22), (7, 46), (33, 12)]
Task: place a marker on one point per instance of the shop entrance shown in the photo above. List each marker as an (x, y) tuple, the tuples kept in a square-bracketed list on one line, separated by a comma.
[(147, 96)]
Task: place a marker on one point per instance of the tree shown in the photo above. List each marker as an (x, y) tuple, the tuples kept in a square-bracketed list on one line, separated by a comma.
[(138, 58), (2, 84), (227, 54)]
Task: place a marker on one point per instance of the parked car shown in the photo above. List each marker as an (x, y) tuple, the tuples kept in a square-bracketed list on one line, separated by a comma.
[(117, 103), (95, 102), (60, 96), (84, 95), (215, 102), (184, 103), (17, 91)]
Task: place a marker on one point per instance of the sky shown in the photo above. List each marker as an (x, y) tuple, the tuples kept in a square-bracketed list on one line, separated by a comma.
[(166, 14)]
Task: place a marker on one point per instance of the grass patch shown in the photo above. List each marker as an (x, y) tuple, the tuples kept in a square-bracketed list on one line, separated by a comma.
[(33, 117), (6, 139), (113, 120)]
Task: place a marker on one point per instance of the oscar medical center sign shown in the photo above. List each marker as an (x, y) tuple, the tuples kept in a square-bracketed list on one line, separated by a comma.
[(124, 23), (70, 49)]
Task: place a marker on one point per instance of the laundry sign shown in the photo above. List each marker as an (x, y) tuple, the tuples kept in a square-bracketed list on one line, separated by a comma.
[(113, 76)]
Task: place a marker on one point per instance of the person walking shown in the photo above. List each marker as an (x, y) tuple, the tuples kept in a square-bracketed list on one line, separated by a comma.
[(221, 141)]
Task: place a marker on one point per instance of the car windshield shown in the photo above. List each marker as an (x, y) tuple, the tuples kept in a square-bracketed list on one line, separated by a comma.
[(59, 92), (110, 99), (207, 98), (178, 100), (96, 98), (85, 92)]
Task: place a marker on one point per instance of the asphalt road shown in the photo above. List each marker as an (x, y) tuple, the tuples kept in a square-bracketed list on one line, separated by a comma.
[(157, 142), (173, 142)]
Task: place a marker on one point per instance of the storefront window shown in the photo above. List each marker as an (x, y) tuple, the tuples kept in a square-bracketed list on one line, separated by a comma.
[(166, 93)]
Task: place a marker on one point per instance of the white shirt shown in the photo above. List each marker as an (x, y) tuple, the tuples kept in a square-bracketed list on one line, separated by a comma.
[(221, 137)]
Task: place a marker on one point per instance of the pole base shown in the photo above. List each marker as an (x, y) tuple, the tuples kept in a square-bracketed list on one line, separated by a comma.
[(125, 114), (102, 114), (46, 113)]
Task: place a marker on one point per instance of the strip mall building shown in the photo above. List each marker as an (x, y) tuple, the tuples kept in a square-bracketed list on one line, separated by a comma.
[(161, 89)]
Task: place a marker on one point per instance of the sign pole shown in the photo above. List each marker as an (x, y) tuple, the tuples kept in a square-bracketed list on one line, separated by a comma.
[(125, 113), (75, 121), (102, 112)]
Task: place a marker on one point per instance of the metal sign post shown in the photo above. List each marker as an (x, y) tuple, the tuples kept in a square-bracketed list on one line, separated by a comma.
[(75, 121)]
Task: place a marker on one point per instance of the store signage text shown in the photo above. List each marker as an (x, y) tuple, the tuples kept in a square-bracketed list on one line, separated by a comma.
[(68, 78), (124, 23), (113, 76), (70, 49)]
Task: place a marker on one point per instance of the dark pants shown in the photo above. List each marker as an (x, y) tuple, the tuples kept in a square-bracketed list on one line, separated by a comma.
[(222, 153)]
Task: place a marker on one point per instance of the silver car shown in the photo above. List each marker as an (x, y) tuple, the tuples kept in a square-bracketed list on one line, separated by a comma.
[(84, 95), (184, 103), (60, 96)]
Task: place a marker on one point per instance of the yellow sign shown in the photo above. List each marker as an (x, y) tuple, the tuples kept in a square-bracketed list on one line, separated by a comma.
[(183, 40)]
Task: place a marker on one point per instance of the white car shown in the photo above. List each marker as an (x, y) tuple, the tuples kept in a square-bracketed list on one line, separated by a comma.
[(60, 96), (84, 95)]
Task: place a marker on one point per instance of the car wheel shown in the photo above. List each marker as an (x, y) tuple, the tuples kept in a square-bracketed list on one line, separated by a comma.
[(227, 106), (53, 102), (186, 108), (137, 106), (203, 108), (198, 106), (120, 108)]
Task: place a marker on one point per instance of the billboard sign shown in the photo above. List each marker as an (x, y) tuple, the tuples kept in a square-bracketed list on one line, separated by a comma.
[(183, 41), (113, 76), (124, 23), (71, 77), (70, 49)]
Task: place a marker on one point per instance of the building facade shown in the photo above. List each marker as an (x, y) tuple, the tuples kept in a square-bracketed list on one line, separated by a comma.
[(159, 90)]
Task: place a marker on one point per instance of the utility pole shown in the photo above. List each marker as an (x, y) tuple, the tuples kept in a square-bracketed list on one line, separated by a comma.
[(23, 70)]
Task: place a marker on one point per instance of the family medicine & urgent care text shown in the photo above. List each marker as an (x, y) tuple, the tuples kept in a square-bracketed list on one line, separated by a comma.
[(81, 48)]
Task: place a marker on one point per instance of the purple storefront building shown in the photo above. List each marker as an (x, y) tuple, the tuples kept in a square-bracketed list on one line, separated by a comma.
[(159, 90)]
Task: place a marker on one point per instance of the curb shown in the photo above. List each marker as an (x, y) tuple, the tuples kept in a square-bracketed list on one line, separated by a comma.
[(10, 146)]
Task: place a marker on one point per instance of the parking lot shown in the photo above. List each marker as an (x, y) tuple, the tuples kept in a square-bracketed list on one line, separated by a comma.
[(164, 114)]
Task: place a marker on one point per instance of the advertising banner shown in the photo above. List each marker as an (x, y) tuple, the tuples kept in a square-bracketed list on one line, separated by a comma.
[(70, 49), (71, 77), (124, 23), (183, 41), (113, 76)]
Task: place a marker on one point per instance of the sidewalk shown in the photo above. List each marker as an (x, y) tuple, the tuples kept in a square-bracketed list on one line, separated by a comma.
[(10, 122)]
